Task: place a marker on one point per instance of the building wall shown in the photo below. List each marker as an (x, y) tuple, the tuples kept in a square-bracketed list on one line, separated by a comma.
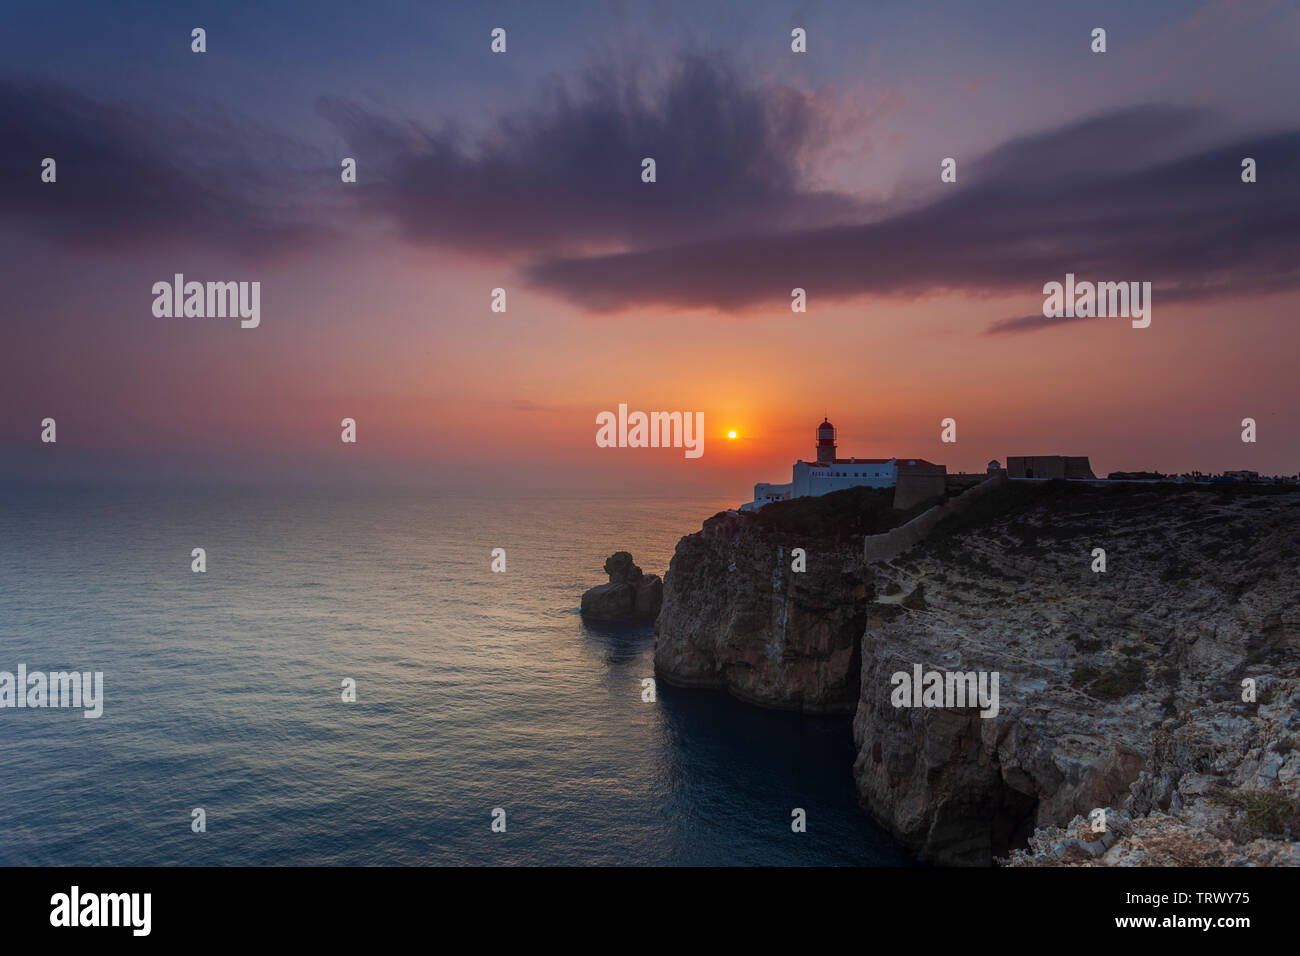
[(821, 480), (1049, 466), (1078, 467), (916, 483), (765, 492)]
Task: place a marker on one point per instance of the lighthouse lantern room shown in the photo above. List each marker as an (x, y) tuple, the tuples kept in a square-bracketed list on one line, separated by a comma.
[(826, 442)]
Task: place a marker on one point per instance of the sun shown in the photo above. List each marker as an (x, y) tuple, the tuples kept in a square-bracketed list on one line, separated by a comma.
[(731, 434)]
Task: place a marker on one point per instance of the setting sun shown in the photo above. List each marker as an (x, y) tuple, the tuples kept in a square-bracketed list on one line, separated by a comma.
[(731, 434)]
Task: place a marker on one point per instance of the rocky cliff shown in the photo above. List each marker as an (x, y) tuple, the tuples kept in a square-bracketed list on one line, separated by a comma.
[(1221, 789), (735, 615), (1119, 689)]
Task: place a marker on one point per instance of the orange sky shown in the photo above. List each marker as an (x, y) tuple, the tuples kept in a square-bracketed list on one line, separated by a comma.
[(776, 170), (472, 400)]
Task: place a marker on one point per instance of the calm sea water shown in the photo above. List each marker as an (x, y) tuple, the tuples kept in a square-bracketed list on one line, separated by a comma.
[(475, 691)]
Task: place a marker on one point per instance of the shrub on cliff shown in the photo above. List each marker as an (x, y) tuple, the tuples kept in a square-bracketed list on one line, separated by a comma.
[(850, 513)]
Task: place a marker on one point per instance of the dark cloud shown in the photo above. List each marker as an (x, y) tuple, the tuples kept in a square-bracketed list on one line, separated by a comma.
[(1029, 323), (564, 177), (1282, 280), (733, 221), (567, 176), (128, 178), (1108, 198)]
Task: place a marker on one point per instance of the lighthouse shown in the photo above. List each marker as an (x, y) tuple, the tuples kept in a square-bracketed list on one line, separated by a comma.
[(826, 442), (913, 479)]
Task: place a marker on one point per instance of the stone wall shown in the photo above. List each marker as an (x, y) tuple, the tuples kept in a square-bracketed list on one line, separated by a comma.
[(916, 485), (882, 547)]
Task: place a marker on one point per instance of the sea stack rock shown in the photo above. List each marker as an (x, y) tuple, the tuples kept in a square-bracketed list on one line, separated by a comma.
[(630, 595)]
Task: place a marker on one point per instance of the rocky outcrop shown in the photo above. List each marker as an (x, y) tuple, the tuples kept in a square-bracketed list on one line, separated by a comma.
[(630, 595), (890, 544), (743, 611), (737, 615), (1117, 689), (1222, 788), (961, 788), (1094, 666)]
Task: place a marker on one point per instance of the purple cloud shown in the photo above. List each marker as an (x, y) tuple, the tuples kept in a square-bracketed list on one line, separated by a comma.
[(567, 176), (1107, 198)]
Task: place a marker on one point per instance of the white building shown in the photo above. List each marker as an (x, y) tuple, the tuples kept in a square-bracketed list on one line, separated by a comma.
[(829, 473)]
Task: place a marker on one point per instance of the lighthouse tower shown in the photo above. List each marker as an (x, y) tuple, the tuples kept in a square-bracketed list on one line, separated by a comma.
[(826, 442)]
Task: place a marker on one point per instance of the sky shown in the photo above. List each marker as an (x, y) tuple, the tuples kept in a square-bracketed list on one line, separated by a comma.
[(521, 170)]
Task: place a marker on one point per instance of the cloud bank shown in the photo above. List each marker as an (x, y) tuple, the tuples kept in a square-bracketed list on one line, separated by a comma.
[(735, 220), (1094, 198)]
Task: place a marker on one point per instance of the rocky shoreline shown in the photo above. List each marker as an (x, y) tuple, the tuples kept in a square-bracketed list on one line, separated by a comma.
[(1121, 690)]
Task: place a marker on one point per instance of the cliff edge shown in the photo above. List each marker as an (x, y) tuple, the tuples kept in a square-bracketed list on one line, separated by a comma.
[(737, 616), (1118, 689)]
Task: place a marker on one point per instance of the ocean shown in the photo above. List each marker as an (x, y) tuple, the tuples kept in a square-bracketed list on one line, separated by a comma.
[(475, 691)]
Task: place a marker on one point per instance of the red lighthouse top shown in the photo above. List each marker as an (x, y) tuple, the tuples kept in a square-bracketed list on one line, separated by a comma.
[(825, 442)]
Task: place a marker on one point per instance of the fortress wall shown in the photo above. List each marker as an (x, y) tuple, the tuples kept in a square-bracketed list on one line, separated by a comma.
[(912, 488), (882, 547)]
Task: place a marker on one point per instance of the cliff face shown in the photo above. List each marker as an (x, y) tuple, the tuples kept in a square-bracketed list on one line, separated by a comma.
[(1097, 670), (737, 616), (1094, 667), (1221, 789)]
